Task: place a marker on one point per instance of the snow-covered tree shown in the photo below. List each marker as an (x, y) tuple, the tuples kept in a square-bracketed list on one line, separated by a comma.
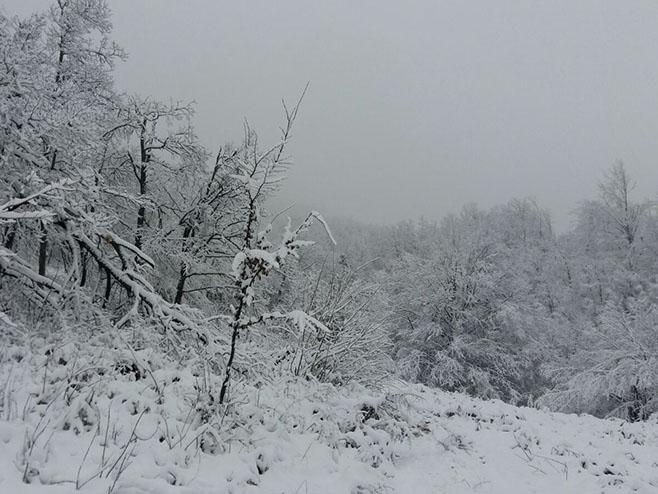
[(458, 311), (615, 372)]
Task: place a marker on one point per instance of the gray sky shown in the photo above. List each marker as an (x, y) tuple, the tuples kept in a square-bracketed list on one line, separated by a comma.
[(414, 108)]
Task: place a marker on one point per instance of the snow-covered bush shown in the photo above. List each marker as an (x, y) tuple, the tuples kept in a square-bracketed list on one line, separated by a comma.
[(353, 309), (616, 371)]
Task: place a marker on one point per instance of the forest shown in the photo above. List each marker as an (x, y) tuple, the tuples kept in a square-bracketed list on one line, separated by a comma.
[(131, 253)]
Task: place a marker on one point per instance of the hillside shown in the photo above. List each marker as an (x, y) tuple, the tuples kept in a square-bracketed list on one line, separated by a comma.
[(140, 431)]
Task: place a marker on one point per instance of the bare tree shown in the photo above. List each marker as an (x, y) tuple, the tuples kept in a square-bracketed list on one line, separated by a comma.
[(624, 215)]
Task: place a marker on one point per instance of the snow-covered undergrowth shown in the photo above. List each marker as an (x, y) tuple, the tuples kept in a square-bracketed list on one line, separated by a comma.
[(89, 418)]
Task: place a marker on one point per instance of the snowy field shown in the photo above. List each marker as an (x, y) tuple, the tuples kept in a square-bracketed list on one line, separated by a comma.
[(126, 434)]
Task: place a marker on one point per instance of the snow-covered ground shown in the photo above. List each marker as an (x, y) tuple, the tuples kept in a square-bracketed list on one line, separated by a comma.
[(490, 447), (304, 437)]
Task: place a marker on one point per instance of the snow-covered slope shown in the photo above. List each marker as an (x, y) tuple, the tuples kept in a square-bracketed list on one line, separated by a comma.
[(490, 447), (296, 436)]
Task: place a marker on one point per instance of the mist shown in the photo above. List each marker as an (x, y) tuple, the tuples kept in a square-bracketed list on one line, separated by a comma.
[(417, 110)]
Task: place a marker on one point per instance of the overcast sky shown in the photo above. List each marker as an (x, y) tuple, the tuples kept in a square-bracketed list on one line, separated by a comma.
[(414, 108)]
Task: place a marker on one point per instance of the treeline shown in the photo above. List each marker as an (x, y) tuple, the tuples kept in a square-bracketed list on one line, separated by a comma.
[(494, 303)]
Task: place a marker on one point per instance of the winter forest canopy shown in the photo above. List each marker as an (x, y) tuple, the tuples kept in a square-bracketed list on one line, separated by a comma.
[(128, 249)]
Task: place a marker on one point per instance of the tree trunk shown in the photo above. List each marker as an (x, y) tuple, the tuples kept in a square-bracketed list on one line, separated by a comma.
[(43, 250), (108, 286), (182, 277), (144, 160), (11, 237), (141, 212), (83, 263)]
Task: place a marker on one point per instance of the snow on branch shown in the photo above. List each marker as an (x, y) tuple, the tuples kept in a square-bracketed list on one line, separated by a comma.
[(251, 264), (325, 225), (13, 265), (117, 242), (8, 211), (137, 286), (11, 216), (4, 319), (300, 319)]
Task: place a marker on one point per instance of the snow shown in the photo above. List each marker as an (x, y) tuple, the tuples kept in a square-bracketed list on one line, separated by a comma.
[(325, 225), (291, 435), (491, 447)]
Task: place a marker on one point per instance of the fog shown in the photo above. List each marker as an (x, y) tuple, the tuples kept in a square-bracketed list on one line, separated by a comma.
[(413, 108)]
